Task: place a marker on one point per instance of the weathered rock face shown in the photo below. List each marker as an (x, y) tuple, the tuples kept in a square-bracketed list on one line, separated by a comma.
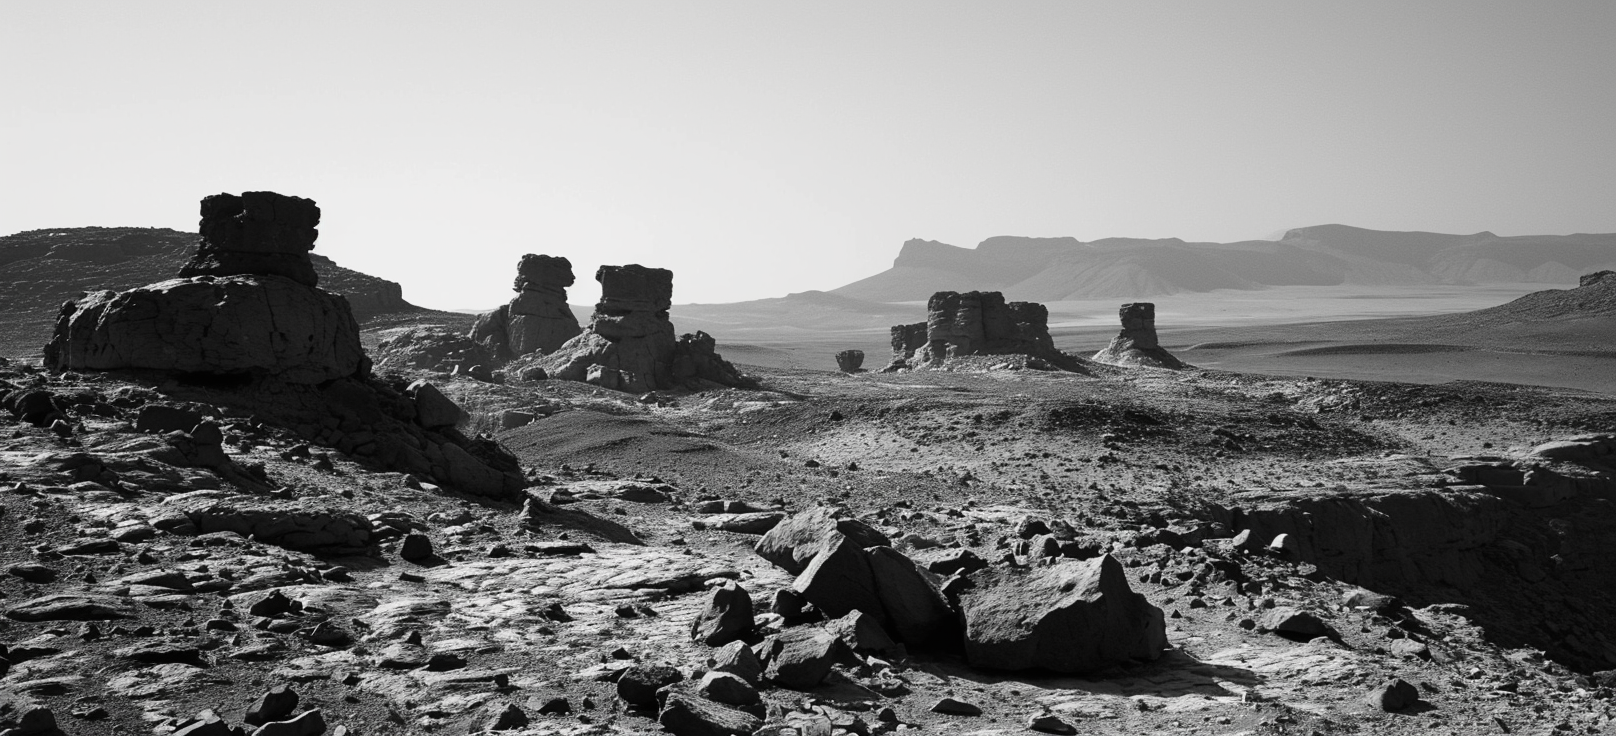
[(906, 339), (982, 323), (850, 361), (231, 325), (247, 307), (630, 344), (1136, 345), (1589, 279), (1071, 617), (260, 233), (538, 320), (976, 323)]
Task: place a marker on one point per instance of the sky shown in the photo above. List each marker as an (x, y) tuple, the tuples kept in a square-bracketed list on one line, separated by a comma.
[(758, 149)]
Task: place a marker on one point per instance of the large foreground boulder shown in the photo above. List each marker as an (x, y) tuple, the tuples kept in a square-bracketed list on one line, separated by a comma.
[(1070, 617), (844, 565), (794, 543), (230, 325), (1136, 345)]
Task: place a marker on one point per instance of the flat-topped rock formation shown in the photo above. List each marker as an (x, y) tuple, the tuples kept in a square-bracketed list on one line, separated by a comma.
[(246, 305), (630, 344), (1136, 345), (976, 323), (257, 233), (538, 319)]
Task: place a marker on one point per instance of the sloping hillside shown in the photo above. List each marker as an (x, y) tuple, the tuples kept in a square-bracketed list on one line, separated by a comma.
[(41, 269), (1056, 269)]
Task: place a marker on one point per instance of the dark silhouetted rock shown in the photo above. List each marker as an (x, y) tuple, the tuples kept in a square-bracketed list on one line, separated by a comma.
[(914, 610), (950, 706), (1070, 617), (433, 410), (1294, 623), (274, 705), (164, 418), (416, 548), (245, 306), (838, 580), (726, 618), (639, 683), (850, 361), (1136, 345), (260, 233)]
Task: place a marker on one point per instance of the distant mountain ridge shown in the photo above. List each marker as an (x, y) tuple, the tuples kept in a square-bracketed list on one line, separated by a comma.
[(1059, 269)]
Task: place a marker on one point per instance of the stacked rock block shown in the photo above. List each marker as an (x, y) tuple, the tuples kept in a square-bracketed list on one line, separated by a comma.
[(245, 305), (630, 344), (538, 319)]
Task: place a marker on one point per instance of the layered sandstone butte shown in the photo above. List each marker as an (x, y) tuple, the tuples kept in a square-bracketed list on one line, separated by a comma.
[(246, 305), (630, 344), (976, 323), (1136, 345), (257, 233), (538, 319), (982, 323)]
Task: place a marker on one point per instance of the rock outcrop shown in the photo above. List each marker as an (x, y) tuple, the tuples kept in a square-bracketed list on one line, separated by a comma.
[(1071, 617), (246, 305), (850, 361), (907, 340), (257, 233), (976, 323), (1136, 345), (630, 344), (538, 319)]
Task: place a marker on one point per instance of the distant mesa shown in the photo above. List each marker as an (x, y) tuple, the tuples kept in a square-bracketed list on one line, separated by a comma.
[(538, 319), (1062, 269), (1137, 345), (257, 233), (976, 323), (629, 344)]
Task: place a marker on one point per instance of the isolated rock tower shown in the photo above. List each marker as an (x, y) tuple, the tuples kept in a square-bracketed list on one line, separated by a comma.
[(246, 305), (538, 320), (630, 344), (1136, 345)]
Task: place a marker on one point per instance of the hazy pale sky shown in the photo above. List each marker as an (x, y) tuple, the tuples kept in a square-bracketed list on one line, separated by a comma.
[(760, 148)]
